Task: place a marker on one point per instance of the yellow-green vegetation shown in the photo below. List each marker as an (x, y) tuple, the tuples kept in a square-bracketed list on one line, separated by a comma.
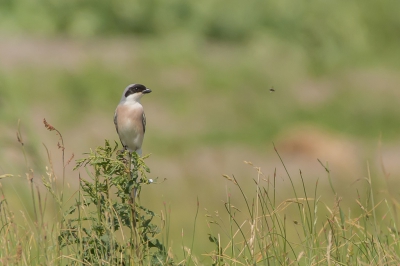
[(104, 223)]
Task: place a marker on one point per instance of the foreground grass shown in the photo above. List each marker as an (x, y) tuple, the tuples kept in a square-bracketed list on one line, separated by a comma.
[(94, 227)]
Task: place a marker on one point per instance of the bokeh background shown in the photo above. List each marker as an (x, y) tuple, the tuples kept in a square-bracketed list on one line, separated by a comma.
[(334, 66)]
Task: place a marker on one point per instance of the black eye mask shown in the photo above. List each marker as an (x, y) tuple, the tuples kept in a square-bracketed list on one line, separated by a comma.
[(135, 88)]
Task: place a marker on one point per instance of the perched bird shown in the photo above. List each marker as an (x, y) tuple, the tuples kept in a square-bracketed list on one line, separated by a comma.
[(129, 118)]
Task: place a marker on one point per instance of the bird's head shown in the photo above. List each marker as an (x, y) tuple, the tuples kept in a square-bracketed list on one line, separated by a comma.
[(134, 92)]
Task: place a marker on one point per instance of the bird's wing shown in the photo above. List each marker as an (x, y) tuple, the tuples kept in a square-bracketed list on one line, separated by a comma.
[(116, 120), (116, 127), (144, 122)]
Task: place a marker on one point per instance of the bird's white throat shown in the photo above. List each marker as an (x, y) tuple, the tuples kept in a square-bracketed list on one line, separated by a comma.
[(134, 98)]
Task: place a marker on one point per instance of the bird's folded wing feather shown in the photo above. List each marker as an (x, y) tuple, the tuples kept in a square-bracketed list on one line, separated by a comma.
[(116, 127), (116, 120), (144, 122)]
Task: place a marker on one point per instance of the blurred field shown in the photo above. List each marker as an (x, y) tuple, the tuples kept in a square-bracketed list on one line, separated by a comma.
[(334, 66)]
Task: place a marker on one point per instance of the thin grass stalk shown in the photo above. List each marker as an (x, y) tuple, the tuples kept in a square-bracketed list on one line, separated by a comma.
[(386, 254), (329, 175), (30, 178), (194, 232), (256, 242), (231, 237), (220, 253), (133, 239), (36, 222), (59, 195), (331, 236), (256, 236), (287, 172), (252, 230), (394, 231), (372, 199), (359, 247), (293, 187), (309, 238), (244, 196), (309, 220), (80, 237), (167, 225), (285, 242), (43, 239), (266, 227), (274, 198), (365, 232), (183, 248), (228, 209), (350, 233), (260, 242), (109, 220), (315, 208), (276, 223), (5, 222)]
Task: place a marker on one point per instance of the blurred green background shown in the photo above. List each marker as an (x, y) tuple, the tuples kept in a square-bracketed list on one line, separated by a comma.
[(334, 66)]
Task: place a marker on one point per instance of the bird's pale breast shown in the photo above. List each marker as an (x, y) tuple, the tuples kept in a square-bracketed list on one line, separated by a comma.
[(130, 127)]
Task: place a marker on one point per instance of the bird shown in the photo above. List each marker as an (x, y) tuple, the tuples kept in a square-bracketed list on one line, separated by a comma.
[(129, 118)]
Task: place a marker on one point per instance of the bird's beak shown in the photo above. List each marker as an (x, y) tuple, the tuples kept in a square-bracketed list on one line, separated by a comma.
[(147, 90)]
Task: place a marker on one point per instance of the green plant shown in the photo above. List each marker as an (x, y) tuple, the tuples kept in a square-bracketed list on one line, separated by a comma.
[(109, 224)]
